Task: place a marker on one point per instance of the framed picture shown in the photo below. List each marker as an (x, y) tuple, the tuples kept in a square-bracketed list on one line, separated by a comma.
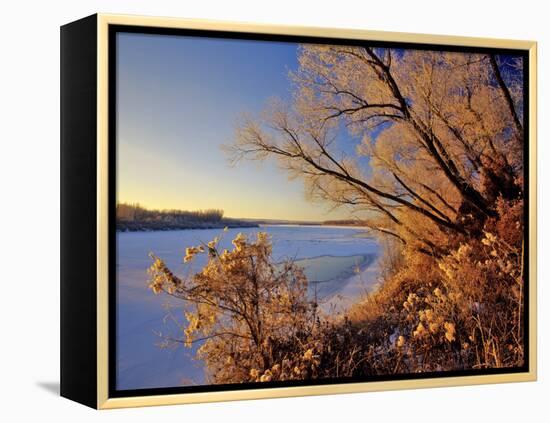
[(255, 211)]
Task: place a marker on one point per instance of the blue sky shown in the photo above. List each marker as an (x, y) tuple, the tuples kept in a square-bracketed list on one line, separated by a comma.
[(178, 101)]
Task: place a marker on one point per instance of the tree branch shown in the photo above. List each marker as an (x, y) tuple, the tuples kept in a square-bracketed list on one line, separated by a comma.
[(507, 96)]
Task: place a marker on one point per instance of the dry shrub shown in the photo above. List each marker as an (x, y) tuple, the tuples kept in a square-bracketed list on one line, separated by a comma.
[(460, 311), (251, 316)]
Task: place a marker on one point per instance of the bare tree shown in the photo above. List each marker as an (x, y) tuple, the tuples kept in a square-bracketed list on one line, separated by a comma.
[(442, 132)]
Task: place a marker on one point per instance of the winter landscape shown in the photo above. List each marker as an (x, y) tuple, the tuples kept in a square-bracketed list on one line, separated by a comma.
[(295, 212)]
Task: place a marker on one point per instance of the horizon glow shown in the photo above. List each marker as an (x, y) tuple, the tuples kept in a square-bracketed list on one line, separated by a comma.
[(178, 99)]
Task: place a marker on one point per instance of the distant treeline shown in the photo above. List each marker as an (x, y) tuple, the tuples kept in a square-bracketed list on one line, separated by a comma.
[(344, 222), (134, 212), (133, 217)]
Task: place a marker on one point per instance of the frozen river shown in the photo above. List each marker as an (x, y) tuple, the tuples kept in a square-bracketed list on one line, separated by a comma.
[(340, 263)]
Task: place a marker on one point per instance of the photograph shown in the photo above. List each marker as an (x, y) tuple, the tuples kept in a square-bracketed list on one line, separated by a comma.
[(275, 212), (295, 211)]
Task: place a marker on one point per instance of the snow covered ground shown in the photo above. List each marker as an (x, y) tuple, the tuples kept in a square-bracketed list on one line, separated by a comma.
[(341, 261)]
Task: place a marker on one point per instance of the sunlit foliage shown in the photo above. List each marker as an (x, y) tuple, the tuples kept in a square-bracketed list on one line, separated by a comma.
[(251, 316)]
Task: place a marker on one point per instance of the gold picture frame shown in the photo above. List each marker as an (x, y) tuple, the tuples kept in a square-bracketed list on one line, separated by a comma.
[(98, 27)]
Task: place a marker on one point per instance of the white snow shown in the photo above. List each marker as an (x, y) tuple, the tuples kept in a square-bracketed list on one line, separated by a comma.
[(140, 313)]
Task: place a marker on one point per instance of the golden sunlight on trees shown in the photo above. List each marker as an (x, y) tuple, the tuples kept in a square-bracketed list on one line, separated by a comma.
[(443, 138), (253, 316), (443, 190)]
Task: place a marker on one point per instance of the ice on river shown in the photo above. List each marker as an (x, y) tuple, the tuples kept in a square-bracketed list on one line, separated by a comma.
[(340, 263)]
